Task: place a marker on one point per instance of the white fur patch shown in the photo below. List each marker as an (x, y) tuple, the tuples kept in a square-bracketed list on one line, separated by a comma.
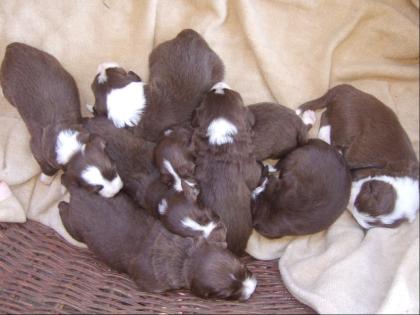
[(219, 87), (193, 225), (92, 175), (308, 117), (163, 206), (406, 204), (271, 168), (102, 71), (248, 287), (89, 107), (324, 133), (126, 105), (67, 145), (221, 131), (177, 179), (168, 132), (45, 179), (259, 189), (298, 112)]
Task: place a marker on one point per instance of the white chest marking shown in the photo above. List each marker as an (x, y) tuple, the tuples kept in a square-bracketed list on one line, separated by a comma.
[(92, 175), (177, 179), (67, 145), (193, 225)]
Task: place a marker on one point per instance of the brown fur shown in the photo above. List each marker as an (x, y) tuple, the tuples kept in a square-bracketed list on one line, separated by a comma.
[(47, 99), (311, 192), (227, 173), (129, 240), (372, 141), (277, 130), (182, 70), (174, 146)]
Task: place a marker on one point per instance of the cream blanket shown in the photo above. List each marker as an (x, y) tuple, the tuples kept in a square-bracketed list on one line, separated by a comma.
[(288, 51)]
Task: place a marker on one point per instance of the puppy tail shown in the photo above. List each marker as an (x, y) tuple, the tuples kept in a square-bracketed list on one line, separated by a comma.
[(326, 99)]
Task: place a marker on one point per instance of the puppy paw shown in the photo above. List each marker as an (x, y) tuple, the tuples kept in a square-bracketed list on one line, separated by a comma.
[(308, 117), (259, 189), (89, 107), (45, 179)]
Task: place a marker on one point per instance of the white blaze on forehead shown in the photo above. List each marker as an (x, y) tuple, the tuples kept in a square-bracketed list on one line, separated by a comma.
[(168, 132), (324, 133), (219, 87), (193, 225), (221, 131), (406, 203), (177, 179), (259, 189), (67, 145), (163, 206), (248, 287), (93, 176), (102, 70), (126, 105)]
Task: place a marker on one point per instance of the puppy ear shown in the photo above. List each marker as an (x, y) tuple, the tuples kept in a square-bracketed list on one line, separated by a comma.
[(133, 76)]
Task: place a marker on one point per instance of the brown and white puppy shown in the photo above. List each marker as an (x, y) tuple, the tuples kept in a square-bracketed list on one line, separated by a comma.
[(119, 95), (277, 130), (226, 169), (181, 215), (130, 240), (310, 193), (182, 70), (385, 169), (47, 99), (133, 158), (173, 154)]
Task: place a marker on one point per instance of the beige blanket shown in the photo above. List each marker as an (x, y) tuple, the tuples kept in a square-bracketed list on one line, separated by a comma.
[(288, 51)]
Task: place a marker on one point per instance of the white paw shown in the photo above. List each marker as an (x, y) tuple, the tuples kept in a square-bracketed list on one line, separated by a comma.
[(89, 107), (308, 117), (45, 179), (259, 189)]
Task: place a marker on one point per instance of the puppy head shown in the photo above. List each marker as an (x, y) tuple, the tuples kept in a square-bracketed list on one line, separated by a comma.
[(222, 115), (92, 168), (376, 198), (119, 95), (173, 147), (181, 215), (216, 273)]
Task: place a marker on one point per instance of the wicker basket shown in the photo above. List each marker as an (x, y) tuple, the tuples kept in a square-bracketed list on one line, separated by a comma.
[(41, 273)]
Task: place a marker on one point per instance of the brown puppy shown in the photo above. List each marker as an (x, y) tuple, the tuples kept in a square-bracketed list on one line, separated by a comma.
[(173, 154), (182, 70), (47, 99), (226, 169), (133, 157), (385, 169), (180, 214), (277, 130), (129, 240), (311, 192)]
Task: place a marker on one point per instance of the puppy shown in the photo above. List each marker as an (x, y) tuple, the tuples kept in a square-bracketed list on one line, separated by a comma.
[(310, 193), (182, 70), (384, 166), (173, 154), (226, 169), (181, 215), (133, 158), (277, 130), (129, 240), (47, 99)]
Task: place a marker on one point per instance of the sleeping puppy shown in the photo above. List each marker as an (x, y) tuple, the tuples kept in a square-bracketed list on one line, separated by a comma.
[(47, 99), (172, 154), (310, 193), (133, 158), (182, 70), (130, 240), (226, 169), (181, 215), (384, 166), (277, 130)]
